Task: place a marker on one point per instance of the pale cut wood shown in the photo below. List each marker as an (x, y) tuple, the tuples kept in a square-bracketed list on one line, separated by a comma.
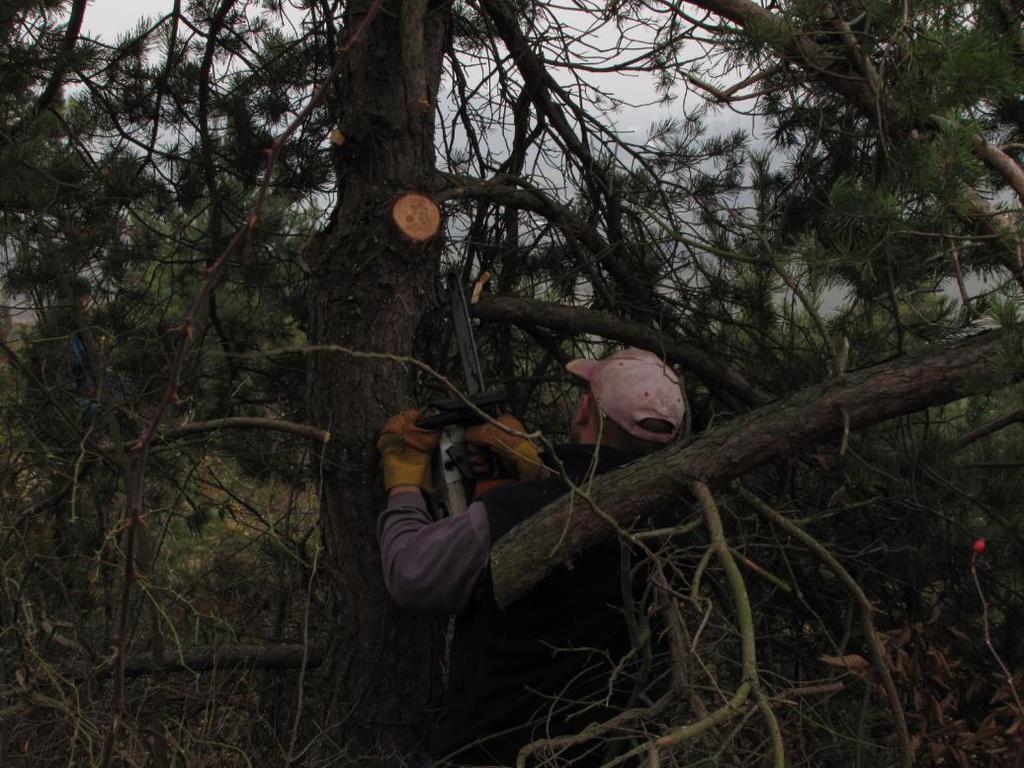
[(416, 216)]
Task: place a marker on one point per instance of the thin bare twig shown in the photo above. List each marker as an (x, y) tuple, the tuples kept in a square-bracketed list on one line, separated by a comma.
[(245, 422), (300, 687), (988, 634), (876, 650)]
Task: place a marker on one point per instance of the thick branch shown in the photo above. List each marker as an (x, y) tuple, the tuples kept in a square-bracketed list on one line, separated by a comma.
[(718, 375), (998, 160), (810, 417), (513, 193)]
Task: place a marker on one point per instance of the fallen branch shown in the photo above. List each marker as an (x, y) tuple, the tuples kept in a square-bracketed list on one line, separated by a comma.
[(553, 744), (209, 659), (812, 416), (745, 620)]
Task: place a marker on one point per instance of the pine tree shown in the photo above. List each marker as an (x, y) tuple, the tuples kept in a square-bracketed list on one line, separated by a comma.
[(837, 271)]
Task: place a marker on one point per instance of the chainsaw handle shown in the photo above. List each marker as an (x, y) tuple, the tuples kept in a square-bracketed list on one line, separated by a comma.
[(456, 411), (464, 418)]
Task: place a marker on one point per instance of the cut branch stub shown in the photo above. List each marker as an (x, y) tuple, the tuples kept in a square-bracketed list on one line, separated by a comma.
[(416, 216)]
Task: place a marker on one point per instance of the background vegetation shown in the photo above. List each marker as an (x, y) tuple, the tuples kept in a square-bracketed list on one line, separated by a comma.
[(180, 564)]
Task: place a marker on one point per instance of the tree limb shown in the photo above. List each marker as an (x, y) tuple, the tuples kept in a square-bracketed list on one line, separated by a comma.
[(998, 160), (512, 192), (799, 47), (1016, 417), (794, 45), (719, 376), (812, 416)]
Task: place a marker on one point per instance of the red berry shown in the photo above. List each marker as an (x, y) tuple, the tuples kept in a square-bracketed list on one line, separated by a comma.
[(978, 546)]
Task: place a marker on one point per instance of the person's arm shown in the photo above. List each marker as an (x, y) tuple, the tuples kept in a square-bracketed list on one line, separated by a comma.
[(432, 566)]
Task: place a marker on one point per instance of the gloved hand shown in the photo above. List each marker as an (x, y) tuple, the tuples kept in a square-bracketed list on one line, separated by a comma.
[(406, 451), (518, 455)]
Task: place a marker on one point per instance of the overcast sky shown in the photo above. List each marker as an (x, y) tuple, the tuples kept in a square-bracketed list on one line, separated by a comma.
[(105, 19)]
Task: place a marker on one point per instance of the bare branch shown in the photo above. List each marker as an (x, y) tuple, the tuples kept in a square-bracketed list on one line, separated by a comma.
[(541, 86), (877, 651), (246, 422), (210, 659), (997, 159), (719, 376), (1017, 417)]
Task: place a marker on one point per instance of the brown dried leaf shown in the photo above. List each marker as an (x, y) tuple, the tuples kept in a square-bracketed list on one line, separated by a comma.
[(850, 661)]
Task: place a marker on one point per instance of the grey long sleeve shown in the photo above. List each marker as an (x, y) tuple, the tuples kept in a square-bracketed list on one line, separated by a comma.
[(432, 566)]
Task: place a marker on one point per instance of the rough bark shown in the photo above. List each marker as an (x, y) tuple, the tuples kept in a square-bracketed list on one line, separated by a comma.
[(369, 285), (806, 419)]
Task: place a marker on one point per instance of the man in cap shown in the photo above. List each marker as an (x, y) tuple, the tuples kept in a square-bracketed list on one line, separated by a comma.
[(550, 663)]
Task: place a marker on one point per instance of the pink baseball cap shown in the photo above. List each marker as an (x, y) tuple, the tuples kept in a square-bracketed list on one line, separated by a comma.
[(632, 385)]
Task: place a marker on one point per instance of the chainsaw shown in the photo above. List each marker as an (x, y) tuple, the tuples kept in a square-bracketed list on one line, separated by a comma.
[(453, 415)]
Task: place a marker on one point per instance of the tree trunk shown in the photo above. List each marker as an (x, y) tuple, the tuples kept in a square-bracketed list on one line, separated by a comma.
[(369, 287)]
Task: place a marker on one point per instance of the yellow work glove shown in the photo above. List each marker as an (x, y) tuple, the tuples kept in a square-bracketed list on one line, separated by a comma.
[(518, 455), (406, 451)]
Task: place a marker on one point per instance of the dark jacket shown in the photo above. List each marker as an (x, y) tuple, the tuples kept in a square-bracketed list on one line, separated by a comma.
[(550, 663)]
